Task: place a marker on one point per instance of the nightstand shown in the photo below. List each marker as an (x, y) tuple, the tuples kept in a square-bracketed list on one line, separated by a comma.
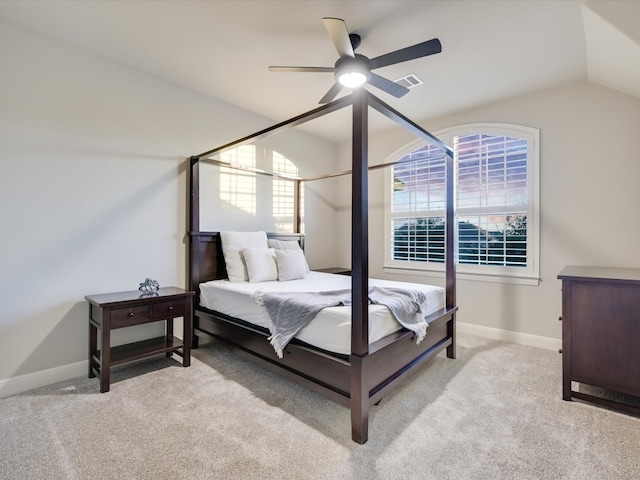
[(336, 270), (111, 311)]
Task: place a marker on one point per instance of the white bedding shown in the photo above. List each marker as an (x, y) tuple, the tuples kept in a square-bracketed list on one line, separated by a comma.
[(331, 328)]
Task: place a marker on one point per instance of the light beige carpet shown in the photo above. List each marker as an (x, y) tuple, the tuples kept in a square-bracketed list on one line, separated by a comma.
[(494, 413)]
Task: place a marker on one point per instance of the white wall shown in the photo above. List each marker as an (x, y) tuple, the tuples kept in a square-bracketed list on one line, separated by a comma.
[(312, 157), (590, 193), (93, 158)]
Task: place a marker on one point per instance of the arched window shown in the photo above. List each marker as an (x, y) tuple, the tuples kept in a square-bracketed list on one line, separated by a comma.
[(284, 191), (496, 176)]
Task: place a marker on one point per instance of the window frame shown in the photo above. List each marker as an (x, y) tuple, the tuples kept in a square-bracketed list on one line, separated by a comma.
[(529, 275)]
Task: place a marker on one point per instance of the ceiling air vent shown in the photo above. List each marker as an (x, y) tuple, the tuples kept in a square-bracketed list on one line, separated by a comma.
[(409, 81)]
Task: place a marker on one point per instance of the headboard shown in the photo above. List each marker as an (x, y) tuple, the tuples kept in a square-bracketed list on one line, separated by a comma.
[(206, 261)]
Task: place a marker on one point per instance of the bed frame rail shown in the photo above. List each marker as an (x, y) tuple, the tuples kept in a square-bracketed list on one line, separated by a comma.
[(390, 359)]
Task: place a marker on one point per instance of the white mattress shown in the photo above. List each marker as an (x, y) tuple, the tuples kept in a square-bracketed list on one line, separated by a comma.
[(331, 328)]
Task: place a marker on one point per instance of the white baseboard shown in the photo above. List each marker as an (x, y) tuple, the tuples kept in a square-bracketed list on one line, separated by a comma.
[(509, 336), (23, 383)]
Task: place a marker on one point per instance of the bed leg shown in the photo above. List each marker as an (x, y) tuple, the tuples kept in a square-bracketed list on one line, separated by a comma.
[(451, 332), (359, 401), (195, 340)]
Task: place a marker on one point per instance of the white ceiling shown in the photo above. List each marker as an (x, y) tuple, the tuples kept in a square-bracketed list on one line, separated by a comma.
[(491, 49)]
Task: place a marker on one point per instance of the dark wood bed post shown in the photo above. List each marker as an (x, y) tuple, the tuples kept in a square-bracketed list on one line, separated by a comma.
[(194, 212), (360, 270), (450, 222), (193, 253), (450, 251), (298, 207)]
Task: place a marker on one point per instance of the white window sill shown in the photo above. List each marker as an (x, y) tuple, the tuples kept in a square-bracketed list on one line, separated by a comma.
[(533, 281)]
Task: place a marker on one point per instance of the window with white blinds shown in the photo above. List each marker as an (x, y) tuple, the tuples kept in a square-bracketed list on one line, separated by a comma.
[(496, 202)]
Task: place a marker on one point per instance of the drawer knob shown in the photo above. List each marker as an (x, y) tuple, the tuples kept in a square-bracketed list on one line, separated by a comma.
[(171, 308), (131, 314), (560, 318), (560, 350)]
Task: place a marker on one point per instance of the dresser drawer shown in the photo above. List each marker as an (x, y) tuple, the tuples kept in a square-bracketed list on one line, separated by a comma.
[(163, 310), (123, 317)]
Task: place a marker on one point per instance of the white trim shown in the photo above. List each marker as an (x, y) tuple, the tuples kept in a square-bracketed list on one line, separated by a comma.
[(475, 277), (24, 383), (528, 339)]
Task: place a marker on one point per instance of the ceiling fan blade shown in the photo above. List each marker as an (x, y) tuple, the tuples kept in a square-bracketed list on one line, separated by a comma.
[(302, 69), (339, 35), (387, 85), (331, 94), (408, 53)]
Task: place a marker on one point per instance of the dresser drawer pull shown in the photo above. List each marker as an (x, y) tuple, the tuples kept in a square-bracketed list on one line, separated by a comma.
[(171, 308), (130, 314)]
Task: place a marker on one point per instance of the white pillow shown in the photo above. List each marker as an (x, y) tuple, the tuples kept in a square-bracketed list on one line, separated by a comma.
[(261, 264), (291, 265), (232, 243), (287, 245)]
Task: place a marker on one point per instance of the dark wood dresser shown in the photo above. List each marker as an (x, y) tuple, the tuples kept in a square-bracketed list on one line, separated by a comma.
[(601, 333)]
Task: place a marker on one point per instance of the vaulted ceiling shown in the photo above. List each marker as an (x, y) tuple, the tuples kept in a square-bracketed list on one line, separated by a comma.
[(491, 50)]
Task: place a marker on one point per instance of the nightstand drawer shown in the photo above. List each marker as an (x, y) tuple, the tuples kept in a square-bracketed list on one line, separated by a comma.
[(123, 317), (165, 310)]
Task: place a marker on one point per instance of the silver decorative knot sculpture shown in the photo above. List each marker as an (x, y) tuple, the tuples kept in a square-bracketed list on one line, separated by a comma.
[(149, 286)]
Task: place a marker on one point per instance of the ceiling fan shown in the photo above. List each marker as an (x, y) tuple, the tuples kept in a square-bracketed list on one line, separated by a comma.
[(353, 70)]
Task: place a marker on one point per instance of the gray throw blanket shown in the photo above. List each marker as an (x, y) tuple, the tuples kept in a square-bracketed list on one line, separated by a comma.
[(287, 312)]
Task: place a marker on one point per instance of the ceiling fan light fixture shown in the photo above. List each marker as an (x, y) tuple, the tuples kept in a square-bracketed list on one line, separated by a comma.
[(353, 70), (352, 79)]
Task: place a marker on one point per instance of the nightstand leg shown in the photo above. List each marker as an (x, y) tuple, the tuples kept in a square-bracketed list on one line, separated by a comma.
[(169, 333), (187, 335), (194, 338), (93, 347), (105, 355)]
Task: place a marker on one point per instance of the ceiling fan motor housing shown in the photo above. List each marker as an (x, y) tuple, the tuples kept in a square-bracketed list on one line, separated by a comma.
[(355, 40), (359, 64)]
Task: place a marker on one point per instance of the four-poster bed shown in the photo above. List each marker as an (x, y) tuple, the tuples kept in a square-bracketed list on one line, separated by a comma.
[(361, 378)]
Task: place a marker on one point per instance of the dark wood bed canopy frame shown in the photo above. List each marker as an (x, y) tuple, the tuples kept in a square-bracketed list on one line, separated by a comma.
[(362, 378)]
